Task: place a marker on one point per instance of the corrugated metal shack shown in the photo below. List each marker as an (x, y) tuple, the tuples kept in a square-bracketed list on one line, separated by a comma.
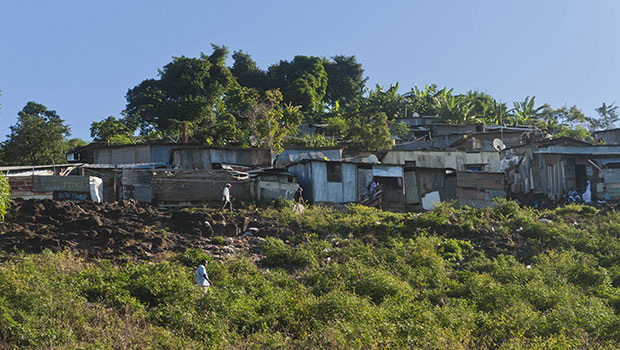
[(205, 158), (271, 184), (459, 160), (421, 182), (326, 181), (293, 155), (184, 187), (450, 136), (340, 182), (136, 154), (611, 177), (63, 181), (554, 167), (478, 189), (610, 136), (55, 187), (483, 140), (125, 181)]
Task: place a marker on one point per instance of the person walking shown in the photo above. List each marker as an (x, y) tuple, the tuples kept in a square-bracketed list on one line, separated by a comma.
[(202, 278), (299, 195), (298, 198), (226, 198)]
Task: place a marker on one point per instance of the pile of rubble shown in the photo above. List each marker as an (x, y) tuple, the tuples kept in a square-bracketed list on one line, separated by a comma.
[(130, 230)]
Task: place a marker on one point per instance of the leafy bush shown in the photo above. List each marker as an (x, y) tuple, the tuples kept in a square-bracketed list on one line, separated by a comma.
[(452, 278), (5, 195), (278, 254)]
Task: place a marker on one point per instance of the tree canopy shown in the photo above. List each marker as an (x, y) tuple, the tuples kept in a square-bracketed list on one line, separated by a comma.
[(37, 137), (188, 90), (303, 82), (215, 101)]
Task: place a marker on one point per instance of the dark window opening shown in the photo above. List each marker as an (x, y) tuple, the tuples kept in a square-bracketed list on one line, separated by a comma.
[(580, 177), (334, 172), (392, 188)]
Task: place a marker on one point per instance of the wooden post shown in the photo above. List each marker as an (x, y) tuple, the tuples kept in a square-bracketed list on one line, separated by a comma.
[(184, 132)]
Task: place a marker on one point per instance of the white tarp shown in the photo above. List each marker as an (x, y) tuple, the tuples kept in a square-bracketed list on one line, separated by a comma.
[(431, 200), (387, 171), (96, 189)]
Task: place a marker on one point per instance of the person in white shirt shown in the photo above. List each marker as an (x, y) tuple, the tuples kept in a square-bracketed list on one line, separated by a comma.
[(587, 195), (202, 277), (226, 198)]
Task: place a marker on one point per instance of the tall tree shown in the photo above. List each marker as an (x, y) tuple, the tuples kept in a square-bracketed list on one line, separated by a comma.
[(247, 73), (303, 82), (112, 130), (270, 121), (556, 120), (345, 80), (607, 116), (74, 143), (37, 137), (188, 90)]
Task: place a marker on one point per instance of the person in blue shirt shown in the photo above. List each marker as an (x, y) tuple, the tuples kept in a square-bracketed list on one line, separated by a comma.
[(202, 277)]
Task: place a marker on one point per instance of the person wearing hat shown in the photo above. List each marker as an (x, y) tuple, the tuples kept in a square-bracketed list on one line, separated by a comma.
[(226, 198)]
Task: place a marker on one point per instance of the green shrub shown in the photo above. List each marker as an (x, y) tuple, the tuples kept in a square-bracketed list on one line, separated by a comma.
[(278, 254), (192, 257), (154, 284)]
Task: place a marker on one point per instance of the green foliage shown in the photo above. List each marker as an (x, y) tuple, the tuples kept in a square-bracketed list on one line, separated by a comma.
[(112, 131), (345, 80), (188, 90), (525, 112), (74, 143), (358, 277), (194, 257), (270, 121), (315, 140), (37, 137), (369, 132), (247, 72), (5, 195), (278, 254), (400, 129), (303, 82), (607, 116), (337, 126)]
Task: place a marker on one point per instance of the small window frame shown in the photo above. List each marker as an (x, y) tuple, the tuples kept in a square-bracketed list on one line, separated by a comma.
[(334, 172)]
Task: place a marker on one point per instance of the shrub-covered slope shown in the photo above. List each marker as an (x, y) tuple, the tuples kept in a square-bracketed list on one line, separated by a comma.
[(502, 278)]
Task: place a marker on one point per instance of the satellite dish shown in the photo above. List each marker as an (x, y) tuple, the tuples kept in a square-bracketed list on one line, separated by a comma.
[(498, 145), (373, 159)]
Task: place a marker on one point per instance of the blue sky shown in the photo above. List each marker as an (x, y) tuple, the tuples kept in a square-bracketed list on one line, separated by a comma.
[(80, 57)]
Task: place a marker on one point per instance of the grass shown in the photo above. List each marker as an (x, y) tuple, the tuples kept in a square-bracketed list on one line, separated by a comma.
[(357, 278)]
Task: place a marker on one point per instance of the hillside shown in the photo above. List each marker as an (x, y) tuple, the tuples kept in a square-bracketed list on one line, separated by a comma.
[(120, 276)]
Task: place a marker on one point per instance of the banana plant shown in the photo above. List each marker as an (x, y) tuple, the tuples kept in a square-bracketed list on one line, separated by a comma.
[(525, 113)]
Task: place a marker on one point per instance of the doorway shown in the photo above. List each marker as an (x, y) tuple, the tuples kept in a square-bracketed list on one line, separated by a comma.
[(580, 177)]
